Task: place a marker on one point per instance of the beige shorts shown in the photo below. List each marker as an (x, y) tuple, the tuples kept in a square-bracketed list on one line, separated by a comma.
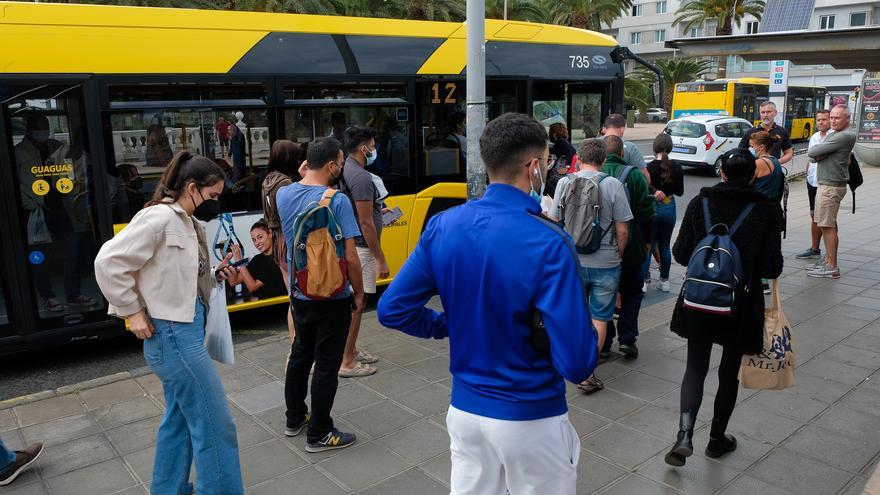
[(828, 200), (368, 269)]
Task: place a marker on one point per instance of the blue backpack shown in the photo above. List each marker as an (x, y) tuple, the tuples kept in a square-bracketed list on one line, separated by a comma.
[(715, 268)]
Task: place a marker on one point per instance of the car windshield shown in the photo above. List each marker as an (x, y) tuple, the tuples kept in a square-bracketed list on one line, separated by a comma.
[(684, 128)]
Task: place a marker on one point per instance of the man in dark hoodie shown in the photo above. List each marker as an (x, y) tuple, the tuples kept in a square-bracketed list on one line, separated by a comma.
[(641, 202)]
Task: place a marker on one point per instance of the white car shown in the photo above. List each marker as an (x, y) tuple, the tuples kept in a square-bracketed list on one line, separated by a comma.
[(654, 115), (701, 140)]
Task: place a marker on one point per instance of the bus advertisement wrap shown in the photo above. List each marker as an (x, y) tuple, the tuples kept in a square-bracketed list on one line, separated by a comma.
[(869, 112)]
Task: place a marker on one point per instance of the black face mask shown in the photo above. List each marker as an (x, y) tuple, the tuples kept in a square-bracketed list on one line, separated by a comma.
[(136, 184), (334, 179), (207, 210)]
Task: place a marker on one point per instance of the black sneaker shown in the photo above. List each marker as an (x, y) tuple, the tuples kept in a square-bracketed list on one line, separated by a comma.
[(23, 459), (629, 350), (294, 430), (333, 440)]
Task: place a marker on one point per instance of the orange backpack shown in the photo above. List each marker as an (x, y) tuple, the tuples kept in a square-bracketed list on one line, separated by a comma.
[(318, 249)]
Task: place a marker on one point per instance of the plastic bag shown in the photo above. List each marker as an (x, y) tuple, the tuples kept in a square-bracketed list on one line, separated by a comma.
[(37, 230), (218, 331)]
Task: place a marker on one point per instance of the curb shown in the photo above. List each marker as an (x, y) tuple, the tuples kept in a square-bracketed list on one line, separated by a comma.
[(116, 377)]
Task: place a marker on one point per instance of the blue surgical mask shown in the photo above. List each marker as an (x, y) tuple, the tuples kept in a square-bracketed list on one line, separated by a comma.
[(535, 194), (371, 157), (753, 152)]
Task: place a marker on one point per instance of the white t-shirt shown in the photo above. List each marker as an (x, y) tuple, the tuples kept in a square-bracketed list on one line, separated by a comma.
[(615, 209), (815, 139)]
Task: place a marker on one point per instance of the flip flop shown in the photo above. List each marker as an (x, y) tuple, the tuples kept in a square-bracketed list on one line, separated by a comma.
[(359, 370), (366, 358)]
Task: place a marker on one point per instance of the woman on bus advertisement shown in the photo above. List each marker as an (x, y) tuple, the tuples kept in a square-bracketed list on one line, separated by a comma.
[(260, 274), (156, 274)]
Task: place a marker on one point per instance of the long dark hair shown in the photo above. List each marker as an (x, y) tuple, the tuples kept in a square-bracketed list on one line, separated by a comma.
[(285, 157), (738, 167), (184, 168), (662, 147)]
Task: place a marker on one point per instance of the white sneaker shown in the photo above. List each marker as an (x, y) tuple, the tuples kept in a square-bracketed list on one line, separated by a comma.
[(818, 264), (645, 288), (663, 285)]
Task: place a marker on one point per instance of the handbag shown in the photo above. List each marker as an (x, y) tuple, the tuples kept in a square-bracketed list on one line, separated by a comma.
[(773, 368), (218, 330), (37, 229)]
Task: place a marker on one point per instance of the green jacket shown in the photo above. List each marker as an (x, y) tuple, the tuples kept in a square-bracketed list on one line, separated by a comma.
[(641, 202)]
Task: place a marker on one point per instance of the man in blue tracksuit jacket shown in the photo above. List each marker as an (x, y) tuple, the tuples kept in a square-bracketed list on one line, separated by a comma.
[(488, 260)]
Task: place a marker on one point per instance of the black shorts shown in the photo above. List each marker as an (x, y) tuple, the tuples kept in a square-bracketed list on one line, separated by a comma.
[(224, 141), (811, 193)]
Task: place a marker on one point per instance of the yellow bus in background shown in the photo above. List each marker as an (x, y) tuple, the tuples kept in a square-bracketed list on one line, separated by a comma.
[(743, 97), (124, 88)]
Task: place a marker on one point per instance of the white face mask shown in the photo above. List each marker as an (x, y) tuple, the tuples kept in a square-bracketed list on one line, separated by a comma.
[(371, 157), (40, 136)]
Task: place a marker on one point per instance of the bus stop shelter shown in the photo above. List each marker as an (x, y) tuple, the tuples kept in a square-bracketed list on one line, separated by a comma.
[(854, 48)]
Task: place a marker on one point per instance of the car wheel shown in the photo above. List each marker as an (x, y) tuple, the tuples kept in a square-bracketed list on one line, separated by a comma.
[(718, 167)]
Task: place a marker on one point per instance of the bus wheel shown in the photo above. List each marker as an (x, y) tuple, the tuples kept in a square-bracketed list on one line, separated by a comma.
[(718, 167)]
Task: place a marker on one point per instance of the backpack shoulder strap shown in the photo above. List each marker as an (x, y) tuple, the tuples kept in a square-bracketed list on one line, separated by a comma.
[(742, 216), (624, 174), (327, 198), (706, 216)]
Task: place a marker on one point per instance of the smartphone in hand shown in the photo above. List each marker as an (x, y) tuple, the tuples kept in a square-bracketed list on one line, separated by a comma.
[(391, 216)]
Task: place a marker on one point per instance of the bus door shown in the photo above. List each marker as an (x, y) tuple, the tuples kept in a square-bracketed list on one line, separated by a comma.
[(588, 104), (51, 230)]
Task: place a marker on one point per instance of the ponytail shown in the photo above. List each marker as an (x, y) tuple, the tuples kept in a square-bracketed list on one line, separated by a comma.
[(184, 168), (663, 146)]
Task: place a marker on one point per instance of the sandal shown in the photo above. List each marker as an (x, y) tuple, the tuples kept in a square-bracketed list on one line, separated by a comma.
[(591, 384), (366, 358), (359, 370)]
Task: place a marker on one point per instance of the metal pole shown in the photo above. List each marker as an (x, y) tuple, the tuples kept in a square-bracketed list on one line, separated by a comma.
[(505, 10), (476, 95)]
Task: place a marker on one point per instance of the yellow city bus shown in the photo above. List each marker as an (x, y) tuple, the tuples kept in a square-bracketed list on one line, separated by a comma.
[(743, 97), (124, 88)]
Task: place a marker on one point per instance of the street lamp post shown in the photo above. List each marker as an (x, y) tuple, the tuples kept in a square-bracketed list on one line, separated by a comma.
[(476, 95)]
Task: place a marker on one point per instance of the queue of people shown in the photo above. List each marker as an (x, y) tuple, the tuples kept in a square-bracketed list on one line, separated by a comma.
[(515, 335)]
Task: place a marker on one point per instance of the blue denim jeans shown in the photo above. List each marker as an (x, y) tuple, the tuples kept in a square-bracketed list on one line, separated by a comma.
[(197, 421), (662, 226), (600, 285), (7, 457)]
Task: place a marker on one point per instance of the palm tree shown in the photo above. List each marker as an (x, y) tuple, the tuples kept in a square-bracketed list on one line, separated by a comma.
[(724, 13), (518, 10), (585, 14), (426, 10), (675, 71), (637, 92)]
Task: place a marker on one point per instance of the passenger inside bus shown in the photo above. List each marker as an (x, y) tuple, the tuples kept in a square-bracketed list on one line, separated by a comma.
[(56, 217), (261, 276)]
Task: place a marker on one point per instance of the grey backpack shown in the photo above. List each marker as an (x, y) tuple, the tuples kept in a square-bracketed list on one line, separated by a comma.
[(581, 206)]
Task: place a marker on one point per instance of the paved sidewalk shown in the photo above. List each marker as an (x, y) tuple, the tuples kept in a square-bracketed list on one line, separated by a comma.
[(821, 437)]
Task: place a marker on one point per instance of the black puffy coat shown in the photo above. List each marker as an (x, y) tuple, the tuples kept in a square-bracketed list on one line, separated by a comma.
[(760, 248)]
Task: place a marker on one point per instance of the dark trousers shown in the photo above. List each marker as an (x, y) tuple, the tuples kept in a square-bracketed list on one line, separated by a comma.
[(321, 331), (630, 290), (698, 356)]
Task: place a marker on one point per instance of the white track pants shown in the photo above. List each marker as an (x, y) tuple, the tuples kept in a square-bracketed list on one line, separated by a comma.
[(494, 457)]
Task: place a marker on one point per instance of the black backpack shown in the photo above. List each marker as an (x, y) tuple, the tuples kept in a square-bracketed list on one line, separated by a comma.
[(855, 178)]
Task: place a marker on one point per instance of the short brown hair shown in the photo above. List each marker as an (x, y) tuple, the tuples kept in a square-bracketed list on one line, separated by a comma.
[(558, 131), (592, 152), (615, 145), (822, 110), (614, 121)]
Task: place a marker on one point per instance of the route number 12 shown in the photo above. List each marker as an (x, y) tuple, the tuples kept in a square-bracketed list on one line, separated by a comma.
[(450, 89)]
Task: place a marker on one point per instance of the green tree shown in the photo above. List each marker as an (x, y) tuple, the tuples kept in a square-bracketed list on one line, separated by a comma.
[(637, 92), (675, 70), (426, 10), (724, 13), (518, 10), (584, 14)]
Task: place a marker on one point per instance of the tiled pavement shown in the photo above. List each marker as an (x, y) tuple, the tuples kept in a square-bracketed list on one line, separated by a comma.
[(821, 437)]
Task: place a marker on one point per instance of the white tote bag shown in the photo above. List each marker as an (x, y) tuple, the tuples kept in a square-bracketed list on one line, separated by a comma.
[(218, 331)]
